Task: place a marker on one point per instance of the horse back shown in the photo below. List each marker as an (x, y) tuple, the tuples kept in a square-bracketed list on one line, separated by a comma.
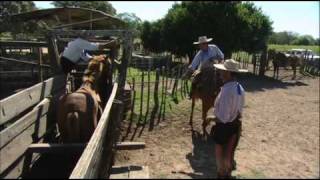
[(76, 117)]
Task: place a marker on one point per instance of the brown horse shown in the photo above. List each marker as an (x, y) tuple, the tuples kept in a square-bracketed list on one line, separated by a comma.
[(206, 88), (79, 112), (279, 59)]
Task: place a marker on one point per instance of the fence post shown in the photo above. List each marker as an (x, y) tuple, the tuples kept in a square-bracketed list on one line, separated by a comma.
[(162, 93), (141, 97), (148, 98), (156, 87), (40, 73), (254, 61), (165, 93), (132, 106)]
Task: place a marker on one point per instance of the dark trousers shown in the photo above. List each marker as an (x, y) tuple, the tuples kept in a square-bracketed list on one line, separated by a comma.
[(66, 65)]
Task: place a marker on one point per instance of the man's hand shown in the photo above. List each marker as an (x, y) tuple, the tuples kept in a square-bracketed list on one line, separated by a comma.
[(187, 74), (110, 44)]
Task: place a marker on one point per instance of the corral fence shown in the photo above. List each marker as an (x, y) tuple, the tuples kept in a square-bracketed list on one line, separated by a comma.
[(156, 85), (22, 64), (28, 118)]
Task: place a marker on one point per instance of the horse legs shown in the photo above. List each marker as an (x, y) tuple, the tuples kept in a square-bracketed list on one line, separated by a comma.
[(191, 115), (294, 68)]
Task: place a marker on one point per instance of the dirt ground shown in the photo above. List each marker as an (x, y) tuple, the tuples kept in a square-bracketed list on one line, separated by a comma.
[(280, 137)]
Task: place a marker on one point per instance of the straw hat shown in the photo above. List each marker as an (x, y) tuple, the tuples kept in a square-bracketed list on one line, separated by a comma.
[(230, 65), (203, 39)]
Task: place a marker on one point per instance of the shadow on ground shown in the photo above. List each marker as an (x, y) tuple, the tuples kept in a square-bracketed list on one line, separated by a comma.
[(252, 82), (202, 158)]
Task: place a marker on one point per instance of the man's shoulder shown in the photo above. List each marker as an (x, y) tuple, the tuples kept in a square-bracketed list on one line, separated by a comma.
[(212, 45)]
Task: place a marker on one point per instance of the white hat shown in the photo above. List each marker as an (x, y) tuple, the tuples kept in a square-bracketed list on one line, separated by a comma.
[(230, 65), (203, 39)]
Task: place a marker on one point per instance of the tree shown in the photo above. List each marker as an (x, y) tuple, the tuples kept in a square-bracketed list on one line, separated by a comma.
[(8, 8), (103, 6), (304, 40), (133, 22), (233, 26), (292, 38), (15, 7)]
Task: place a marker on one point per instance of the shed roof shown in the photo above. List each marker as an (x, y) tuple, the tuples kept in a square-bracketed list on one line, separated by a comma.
[(71, 17)]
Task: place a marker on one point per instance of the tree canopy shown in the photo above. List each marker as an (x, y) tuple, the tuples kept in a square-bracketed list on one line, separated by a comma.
[(132, 20), (103, 6), (232, 25), (8, 8), (291, 38)]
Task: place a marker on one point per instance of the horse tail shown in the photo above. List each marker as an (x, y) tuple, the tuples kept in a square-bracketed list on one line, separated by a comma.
[(73, 127)]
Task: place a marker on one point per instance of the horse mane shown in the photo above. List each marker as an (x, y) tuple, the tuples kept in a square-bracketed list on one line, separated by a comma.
[(98, 78)]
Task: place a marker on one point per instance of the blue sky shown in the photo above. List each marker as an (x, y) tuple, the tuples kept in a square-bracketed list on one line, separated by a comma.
[(296, 16)]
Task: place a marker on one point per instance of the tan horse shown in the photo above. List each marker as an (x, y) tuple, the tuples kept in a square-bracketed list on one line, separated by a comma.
[(79, 112), (207, 88), (279, 59)]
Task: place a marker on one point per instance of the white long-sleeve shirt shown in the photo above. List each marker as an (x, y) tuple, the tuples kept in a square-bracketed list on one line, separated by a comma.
[(229, 102), (202, 56), (76, 50)]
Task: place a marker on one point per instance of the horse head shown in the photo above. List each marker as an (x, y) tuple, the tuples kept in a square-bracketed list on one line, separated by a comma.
[(98, 74)]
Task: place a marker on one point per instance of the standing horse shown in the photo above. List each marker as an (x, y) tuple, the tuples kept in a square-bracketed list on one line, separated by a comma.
[(79, 112), (206, 88), (279, 59)]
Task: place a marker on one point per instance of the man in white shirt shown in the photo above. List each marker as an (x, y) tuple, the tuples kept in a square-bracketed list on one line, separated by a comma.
[(227, 110), (77, 51)]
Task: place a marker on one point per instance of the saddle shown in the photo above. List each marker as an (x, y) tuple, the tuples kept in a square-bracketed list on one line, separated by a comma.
[(205, 80)]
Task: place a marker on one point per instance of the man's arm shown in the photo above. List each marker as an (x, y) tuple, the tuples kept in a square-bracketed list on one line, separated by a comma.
[(220, 54), (196, 61), (111, 44)]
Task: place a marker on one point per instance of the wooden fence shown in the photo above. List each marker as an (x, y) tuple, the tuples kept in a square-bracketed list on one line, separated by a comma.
[(23, 63), (153, 92), (25, 118)]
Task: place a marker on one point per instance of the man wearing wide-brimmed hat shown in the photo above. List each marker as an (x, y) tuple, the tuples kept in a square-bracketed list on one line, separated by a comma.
[(228, 108), (206, 56), (207, 52)]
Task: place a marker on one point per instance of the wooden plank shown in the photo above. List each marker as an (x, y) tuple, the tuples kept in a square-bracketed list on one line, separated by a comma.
[(53, 54), (130, 145), (81, 22), (120, 33), (23, 62), (88, 164), (139, 172), (119, 172), (17, 103), (130, 172), (56, 148), (23, 44), (12, 151), (30, 118)]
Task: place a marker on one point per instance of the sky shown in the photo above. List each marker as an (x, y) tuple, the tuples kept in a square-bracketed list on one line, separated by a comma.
[(296, 16)]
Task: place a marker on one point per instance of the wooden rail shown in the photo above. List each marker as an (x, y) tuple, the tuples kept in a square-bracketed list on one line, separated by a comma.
[(23, 44), (90, 163), (24, 128), (23, 62), (19, 102)]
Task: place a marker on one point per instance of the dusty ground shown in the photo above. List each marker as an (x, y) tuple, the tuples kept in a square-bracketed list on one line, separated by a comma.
[(280, 137)]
